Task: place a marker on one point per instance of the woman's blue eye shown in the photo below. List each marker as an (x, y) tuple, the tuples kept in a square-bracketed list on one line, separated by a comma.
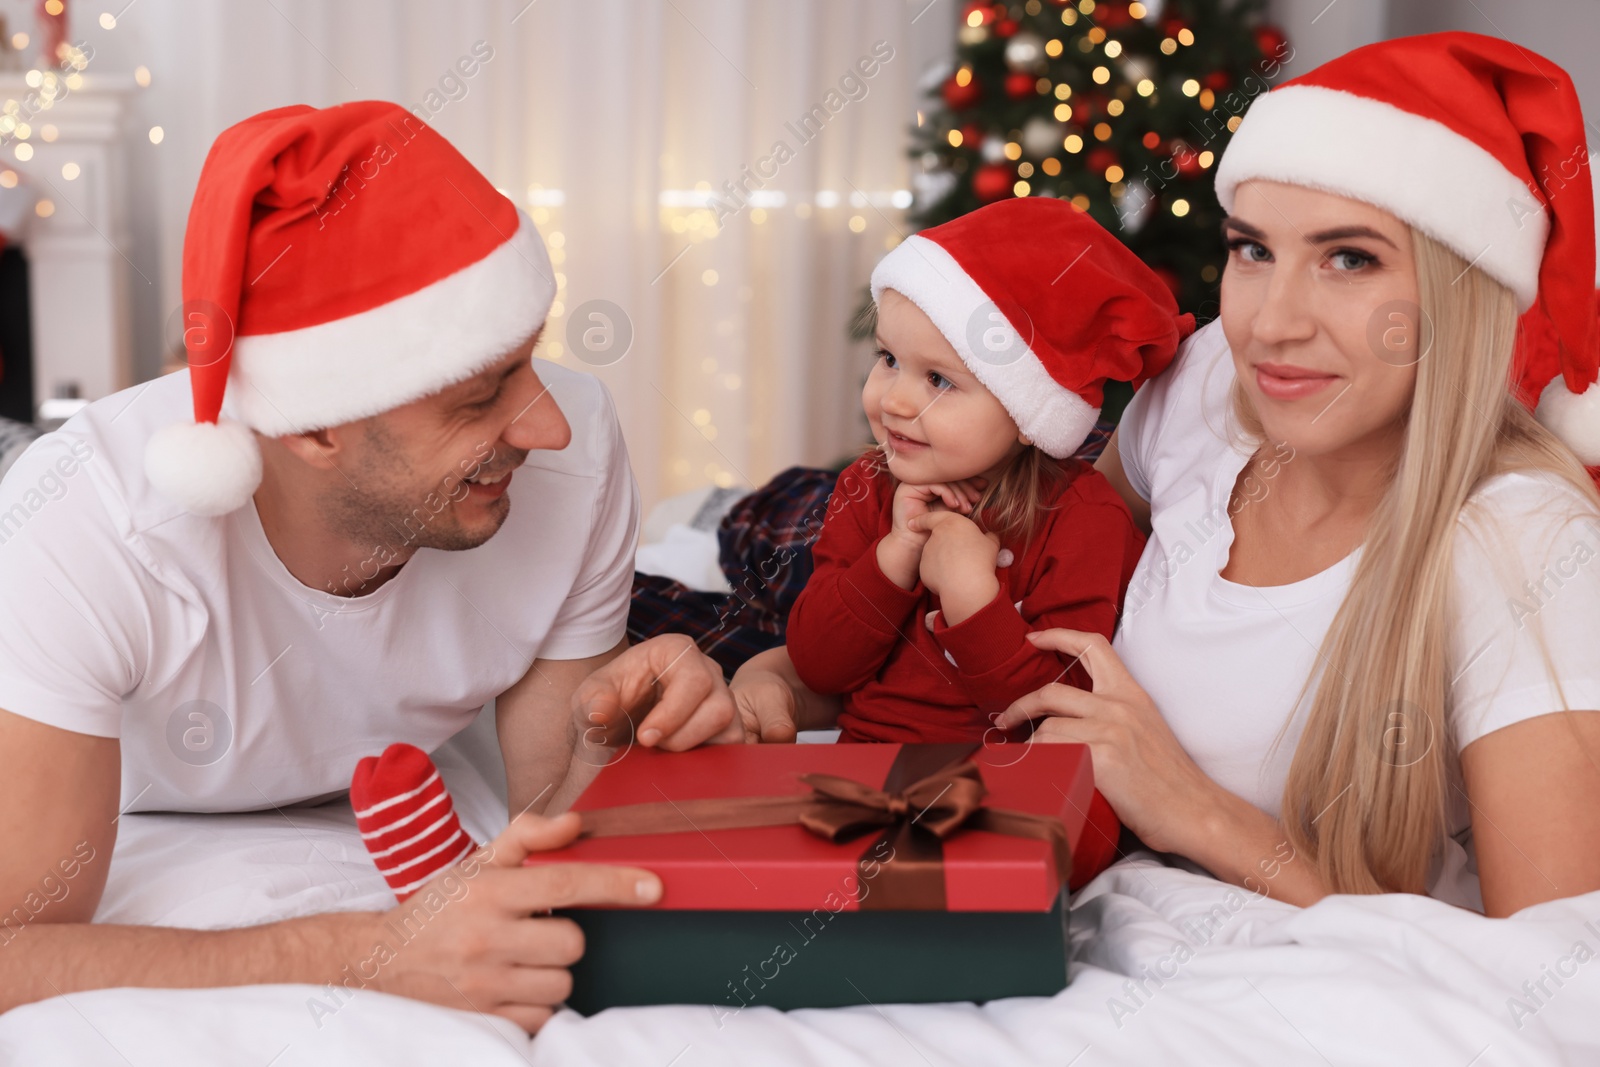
[(1246, 250), (1353, 260)]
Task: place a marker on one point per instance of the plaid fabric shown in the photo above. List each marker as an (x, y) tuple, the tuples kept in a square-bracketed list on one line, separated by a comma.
[(764, 547)]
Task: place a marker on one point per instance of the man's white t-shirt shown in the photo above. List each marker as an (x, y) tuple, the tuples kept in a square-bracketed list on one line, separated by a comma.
[(233, 686), (1225, 663)]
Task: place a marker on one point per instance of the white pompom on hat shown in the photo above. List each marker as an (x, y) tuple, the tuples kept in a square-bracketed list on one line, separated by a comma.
[(1478, 143), (338, 262)]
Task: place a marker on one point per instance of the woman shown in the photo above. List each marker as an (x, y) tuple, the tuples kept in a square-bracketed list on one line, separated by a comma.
[(1365, 634)]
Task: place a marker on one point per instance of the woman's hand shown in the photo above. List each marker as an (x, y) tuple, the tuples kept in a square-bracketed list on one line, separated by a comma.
[(957, 564), (1157, 790), (900, 550)]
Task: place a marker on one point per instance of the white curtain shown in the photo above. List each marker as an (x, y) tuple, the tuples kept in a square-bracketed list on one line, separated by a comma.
[(616, 123)]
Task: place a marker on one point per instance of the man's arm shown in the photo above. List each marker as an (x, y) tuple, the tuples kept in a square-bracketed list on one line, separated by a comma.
[(485, 948), (545, 744), (57, 849)]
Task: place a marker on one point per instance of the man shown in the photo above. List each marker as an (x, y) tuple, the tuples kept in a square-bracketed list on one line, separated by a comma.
[(226, 614)]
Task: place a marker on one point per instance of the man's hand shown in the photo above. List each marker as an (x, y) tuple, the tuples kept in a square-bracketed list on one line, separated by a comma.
[(668, 687), (488, 949)]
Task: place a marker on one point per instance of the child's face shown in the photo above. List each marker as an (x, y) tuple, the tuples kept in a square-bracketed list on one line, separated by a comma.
[(932, 417)]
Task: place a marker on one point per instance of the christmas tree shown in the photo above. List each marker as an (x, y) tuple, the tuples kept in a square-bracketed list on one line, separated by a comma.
[(1122, 108)]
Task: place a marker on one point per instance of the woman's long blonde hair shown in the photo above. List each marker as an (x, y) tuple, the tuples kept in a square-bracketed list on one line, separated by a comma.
[(1366, 794)]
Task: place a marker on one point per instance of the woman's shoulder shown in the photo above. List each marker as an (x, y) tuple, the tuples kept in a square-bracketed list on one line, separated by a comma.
[(1181, 422), (1526, 509), (1203, 365), (1525, 603)]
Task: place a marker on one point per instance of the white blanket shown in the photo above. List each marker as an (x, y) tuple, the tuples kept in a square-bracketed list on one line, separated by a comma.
[(1169, 967)]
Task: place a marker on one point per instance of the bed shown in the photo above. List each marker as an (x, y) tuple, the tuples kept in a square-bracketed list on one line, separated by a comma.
[(1169, 966)]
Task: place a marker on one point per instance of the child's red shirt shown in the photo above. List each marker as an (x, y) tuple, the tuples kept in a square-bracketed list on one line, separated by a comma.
[(854, 632)]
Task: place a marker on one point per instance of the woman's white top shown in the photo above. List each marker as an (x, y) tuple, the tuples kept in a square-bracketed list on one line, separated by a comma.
[(1226, 663)]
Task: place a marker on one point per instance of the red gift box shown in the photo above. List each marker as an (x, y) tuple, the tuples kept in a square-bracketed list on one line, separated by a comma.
[(785, 866)]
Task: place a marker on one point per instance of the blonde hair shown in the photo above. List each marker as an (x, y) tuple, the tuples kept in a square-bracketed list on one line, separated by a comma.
[(1366, 794)]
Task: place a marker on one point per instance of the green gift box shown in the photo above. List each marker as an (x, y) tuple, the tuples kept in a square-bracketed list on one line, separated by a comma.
[(826, 875)]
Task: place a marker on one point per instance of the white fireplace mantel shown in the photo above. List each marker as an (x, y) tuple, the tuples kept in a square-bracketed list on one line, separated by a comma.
[(77, 253)]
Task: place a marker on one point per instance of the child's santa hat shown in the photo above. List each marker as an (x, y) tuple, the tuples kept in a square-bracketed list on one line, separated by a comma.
[(1043, 306), (1478, 143), (337, 263)]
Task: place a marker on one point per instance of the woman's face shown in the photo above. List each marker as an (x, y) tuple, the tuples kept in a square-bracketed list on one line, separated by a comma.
[(1319, 304)]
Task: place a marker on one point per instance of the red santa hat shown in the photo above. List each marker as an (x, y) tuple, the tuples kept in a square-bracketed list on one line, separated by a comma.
[(1043, 306), (1478, 143), (337, 263)]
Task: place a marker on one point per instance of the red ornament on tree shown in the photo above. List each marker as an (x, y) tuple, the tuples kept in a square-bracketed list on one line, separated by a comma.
[(985, 13), (1020, 85), (1102, 159), (1113, 14), (1171, 26), (1186, 159), (1005, 28), (972, 135), (993, 181), (1218, 81), (960, 97), (1272, 41), (1088, 107)]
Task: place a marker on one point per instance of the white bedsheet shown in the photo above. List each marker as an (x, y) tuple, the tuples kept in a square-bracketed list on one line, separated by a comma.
[(1170, 967)]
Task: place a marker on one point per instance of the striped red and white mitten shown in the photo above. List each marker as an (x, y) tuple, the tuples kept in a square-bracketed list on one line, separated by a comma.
[(405, 816)]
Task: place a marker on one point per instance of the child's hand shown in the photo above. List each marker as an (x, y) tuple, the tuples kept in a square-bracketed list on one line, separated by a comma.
[(766, 705), (900, 550), (913, 500), (957, 564)]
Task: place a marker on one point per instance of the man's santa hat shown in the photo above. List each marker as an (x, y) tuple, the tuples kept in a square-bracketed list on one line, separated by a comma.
[(1043, 306), (337, 263), (1478, 143)]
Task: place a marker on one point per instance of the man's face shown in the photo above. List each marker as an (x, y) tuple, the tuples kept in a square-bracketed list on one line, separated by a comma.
[(437, 472)]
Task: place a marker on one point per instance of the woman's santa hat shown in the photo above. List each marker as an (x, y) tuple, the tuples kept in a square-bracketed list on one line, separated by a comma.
[(1043, 306), (1478, 143), (337, 263)]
